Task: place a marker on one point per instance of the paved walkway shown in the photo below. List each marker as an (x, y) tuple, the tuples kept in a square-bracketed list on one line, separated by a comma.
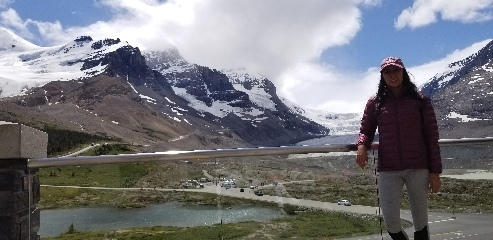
[(444, 226), (248, 194)]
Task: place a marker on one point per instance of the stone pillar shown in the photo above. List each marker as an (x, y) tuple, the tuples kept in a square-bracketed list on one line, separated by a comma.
[(19, 185)]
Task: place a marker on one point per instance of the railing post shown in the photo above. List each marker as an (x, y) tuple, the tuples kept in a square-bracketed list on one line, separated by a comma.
[(19, 185)]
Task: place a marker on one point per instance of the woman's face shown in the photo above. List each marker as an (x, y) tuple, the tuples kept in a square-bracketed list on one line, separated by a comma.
[(393, 76)]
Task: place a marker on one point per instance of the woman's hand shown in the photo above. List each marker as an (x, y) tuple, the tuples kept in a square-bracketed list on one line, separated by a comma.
[(435, 182), (362, 156)]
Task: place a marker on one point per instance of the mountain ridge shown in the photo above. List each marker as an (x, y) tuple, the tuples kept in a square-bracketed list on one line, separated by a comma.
[(102, 73), (462, 95)]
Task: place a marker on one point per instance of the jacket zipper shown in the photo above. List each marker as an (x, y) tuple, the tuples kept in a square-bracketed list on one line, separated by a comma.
[(398, 131)]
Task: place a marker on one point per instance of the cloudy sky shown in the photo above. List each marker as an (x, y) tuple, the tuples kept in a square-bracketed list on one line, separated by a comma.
[(321, 54)]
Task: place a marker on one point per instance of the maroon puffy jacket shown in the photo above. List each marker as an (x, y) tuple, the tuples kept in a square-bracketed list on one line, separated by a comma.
[(408, 133)]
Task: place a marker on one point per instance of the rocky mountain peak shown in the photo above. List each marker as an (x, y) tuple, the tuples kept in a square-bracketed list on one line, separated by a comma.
[(463, 95), (457, 70), (83, 39), (106, 42)]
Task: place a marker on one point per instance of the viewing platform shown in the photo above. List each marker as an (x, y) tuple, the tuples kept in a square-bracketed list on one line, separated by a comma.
[(23, 151)]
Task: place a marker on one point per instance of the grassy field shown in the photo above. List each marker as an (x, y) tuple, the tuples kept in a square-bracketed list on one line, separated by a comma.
[(121, 175)]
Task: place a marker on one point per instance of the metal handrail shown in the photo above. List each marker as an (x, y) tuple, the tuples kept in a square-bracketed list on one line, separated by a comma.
[(219, 153)]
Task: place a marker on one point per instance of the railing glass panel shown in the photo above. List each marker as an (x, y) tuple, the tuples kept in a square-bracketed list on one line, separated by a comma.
[(221, 191)]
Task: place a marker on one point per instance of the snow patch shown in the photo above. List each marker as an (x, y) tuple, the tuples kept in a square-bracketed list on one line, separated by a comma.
[(463, 118)]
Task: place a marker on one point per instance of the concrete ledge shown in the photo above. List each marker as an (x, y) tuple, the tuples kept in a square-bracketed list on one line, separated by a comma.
[(18, 141)]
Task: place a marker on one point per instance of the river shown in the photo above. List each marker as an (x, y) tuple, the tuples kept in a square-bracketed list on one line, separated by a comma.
[(57, 221)]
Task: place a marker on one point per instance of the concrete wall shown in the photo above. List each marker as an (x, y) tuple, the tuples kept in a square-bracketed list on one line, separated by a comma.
[(19, 186), (21, 142)]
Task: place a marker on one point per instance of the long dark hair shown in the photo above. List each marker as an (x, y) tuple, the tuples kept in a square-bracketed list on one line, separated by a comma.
[(408, 87)]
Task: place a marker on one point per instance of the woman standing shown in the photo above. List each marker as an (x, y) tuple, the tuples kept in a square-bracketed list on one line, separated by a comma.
[(408, 152)]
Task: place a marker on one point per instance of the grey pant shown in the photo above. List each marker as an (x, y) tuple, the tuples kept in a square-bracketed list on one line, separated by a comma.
[(390, 186)]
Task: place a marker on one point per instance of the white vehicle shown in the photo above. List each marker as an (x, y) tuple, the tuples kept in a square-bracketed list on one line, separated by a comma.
[(344, 202), (228, 184)]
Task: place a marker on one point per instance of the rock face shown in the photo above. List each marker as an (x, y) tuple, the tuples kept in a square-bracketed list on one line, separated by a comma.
[(245, 103)]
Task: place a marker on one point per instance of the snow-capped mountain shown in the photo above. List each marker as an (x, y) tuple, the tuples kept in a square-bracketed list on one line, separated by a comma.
[(222, 92), (462, 95), (260, 91), (480, 62), (157, 91), (26, 65), (243, 100)]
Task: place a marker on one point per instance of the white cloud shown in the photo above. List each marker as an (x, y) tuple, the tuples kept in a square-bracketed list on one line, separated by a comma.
[(5, 3), (324, 88), (372, 2), (268, 37), (424, 12), (12, 19)]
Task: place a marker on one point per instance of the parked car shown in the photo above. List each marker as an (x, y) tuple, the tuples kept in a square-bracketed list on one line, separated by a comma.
[(344, 202), (259, 193)]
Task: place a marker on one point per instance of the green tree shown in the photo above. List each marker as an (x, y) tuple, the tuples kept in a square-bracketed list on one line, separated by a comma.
[(71, 229)]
